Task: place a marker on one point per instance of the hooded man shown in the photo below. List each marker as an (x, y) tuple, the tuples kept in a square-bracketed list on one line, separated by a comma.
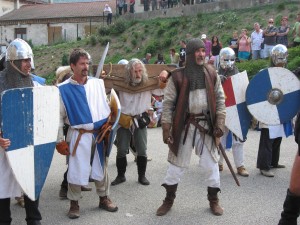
[(196, 121)]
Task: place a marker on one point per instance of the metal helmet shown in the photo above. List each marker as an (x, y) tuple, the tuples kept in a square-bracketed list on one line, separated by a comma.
[(279, 54), (227, 58), (18, 49), (123, 62)]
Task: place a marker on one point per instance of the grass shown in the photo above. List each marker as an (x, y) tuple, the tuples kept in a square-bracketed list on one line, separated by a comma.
[(133, 39)]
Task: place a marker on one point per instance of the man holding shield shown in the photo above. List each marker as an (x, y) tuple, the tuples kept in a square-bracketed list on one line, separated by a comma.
[(16, 75)]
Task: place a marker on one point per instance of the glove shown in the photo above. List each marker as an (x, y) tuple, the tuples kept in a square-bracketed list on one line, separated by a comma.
[(217, 141), (167, 136), (219, 126), (63, 148)]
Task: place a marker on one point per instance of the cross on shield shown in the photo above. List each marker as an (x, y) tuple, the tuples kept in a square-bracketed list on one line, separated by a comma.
[(273, 96), (30, 119), (238, 117)]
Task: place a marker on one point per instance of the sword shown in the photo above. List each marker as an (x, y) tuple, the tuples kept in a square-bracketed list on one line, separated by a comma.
[(101, 63), (229, 165)]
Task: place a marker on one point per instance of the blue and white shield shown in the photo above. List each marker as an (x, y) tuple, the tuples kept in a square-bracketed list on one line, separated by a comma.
[(273, 96), (30, 119)]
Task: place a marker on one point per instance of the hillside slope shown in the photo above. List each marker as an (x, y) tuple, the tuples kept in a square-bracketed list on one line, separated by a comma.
[(130, 39)]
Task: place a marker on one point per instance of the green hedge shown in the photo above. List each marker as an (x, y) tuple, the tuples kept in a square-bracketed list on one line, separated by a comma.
[(254, 66)]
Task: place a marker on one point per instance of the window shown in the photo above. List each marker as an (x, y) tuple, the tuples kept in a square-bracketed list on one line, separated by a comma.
[(21, 33)]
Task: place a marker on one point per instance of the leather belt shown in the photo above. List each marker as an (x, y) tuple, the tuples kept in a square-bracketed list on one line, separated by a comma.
[(195, 119)]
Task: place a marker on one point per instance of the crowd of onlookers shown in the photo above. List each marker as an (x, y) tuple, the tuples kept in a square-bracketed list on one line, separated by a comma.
[(246, 45)]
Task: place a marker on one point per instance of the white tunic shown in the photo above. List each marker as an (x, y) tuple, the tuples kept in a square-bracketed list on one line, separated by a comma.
[(83, 106)]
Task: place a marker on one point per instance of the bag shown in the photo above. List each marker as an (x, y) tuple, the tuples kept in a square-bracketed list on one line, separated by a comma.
[(142, 120), (262, 45), (125, 121)]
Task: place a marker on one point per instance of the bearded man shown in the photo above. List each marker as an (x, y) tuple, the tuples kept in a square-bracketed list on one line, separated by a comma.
[(85, 109), (193, 117), (133, 121)]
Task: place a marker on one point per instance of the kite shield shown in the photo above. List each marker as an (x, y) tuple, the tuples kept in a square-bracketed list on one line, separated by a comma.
[(30, 119)]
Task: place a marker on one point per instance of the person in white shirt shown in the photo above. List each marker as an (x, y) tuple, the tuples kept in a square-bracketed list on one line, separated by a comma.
[(107, 10), (256, 42)]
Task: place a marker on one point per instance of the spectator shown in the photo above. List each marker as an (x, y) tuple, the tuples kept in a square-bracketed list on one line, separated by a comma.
[(233, 43), (131, 6), (215, 49), (257, 42), (120, 4), (296, 31), (283, 31), (211, 60), (182, 53), (154, 5), (244, 46), (158, 104), (107, 11), (147, 58), (269, 38), (146, 5), (160, 59), (174, 56), (153, 118), (207, 44)]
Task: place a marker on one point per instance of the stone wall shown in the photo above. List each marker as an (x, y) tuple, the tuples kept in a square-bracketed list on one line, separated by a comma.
[(215, 6)]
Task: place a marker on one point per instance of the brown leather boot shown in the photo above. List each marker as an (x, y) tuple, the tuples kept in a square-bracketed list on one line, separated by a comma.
[(213, 199), (74, 210), (169, 200), (106, 204)]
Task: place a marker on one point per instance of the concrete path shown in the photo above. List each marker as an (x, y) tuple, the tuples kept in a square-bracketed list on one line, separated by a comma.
[(258, 201)]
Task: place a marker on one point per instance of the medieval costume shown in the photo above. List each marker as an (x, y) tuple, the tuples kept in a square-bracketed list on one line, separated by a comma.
[(12, 77), (226, 69), (198, 118)]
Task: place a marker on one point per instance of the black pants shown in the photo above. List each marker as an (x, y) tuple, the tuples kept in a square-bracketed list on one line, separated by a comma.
[(268, 151), (109, 17), (31, 207)]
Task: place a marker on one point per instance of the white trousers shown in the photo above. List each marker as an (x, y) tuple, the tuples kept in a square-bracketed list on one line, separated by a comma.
[(207, 165), (237, 150)]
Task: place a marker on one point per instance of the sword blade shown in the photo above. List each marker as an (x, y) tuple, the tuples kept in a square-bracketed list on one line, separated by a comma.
[(229, 165), (101, 63)]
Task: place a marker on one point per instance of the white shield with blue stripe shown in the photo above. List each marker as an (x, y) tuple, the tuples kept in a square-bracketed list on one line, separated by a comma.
[(273, 96), (30, 119)]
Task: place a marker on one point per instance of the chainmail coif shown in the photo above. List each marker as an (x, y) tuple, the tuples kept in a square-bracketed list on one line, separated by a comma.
[(11, 78), (193, 71)]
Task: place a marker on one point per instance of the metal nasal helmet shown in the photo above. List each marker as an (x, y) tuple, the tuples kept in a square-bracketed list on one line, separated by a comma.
[(279, 54), (227, 58), (18, 49)]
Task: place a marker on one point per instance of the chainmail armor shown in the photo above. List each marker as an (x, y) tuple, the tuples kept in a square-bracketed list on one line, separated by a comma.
[(193, 71)]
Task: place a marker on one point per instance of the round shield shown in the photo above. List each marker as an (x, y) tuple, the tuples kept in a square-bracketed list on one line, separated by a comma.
[(273, 96)]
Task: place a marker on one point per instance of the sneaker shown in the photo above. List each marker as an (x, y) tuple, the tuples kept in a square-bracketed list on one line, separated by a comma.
[(221, 168), (267, 173), (242, 171), (63, 192), (106, 204), (86, 188), (74, 210)]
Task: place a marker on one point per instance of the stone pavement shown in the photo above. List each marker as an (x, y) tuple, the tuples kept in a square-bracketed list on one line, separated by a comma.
[(258, 201)]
